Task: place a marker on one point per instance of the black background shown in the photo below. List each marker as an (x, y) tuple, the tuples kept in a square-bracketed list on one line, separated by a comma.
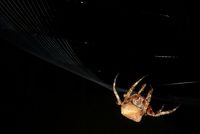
[(109, 37)]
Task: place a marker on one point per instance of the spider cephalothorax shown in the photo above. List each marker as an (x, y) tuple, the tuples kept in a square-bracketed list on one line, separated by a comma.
[(134, 106)]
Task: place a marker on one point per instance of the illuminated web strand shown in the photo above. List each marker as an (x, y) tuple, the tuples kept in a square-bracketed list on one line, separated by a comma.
[(67, 59), (180, 83), (50, 9), (57, 46), (45, 9), (71, 51), (83, 69), (14, 13), (19, 15), (41, 9), (56, 53), (24, 13), (65, 56), (47, 4), (32, 11), (67, 51), (43, 13), (52, 47), (37, 14), (9, 20), (9, 13), (29, 9), (78, 70), (46, 47)]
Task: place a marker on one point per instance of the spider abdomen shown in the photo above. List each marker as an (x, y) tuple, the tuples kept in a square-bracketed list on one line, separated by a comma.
[(132, 112)]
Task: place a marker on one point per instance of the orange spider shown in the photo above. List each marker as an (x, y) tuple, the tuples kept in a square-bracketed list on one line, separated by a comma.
[(135, 106)]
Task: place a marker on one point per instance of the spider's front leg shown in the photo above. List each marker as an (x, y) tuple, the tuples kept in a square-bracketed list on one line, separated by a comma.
[(150, 112), (148, 98), (128, 94), (119, 102)]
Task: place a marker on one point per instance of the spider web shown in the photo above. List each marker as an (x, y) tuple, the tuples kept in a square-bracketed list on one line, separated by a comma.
[(29, 25)]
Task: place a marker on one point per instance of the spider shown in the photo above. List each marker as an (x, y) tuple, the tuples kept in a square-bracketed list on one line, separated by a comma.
[(135, 106)]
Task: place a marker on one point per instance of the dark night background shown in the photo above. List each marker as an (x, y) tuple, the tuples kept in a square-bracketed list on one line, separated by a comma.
[(109, 37)]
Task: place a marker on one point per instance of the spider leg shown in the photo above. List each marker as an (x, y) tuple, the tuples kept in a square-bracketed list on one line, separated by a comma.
[(161, 109), (133, 86), (115, 91), (148, 98), (160, 112), (142, 89)]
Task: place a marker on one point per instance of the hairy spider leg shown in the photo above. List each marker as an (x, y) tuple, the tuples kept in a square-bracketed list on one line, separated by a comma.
[(133, 86), (142, 89), (160, 112), (115, 91), (148, 98)]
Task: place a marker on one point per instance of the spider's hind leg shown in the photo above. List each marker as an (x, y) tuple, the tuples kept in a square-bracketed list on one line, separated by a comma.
[(160, 112)]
